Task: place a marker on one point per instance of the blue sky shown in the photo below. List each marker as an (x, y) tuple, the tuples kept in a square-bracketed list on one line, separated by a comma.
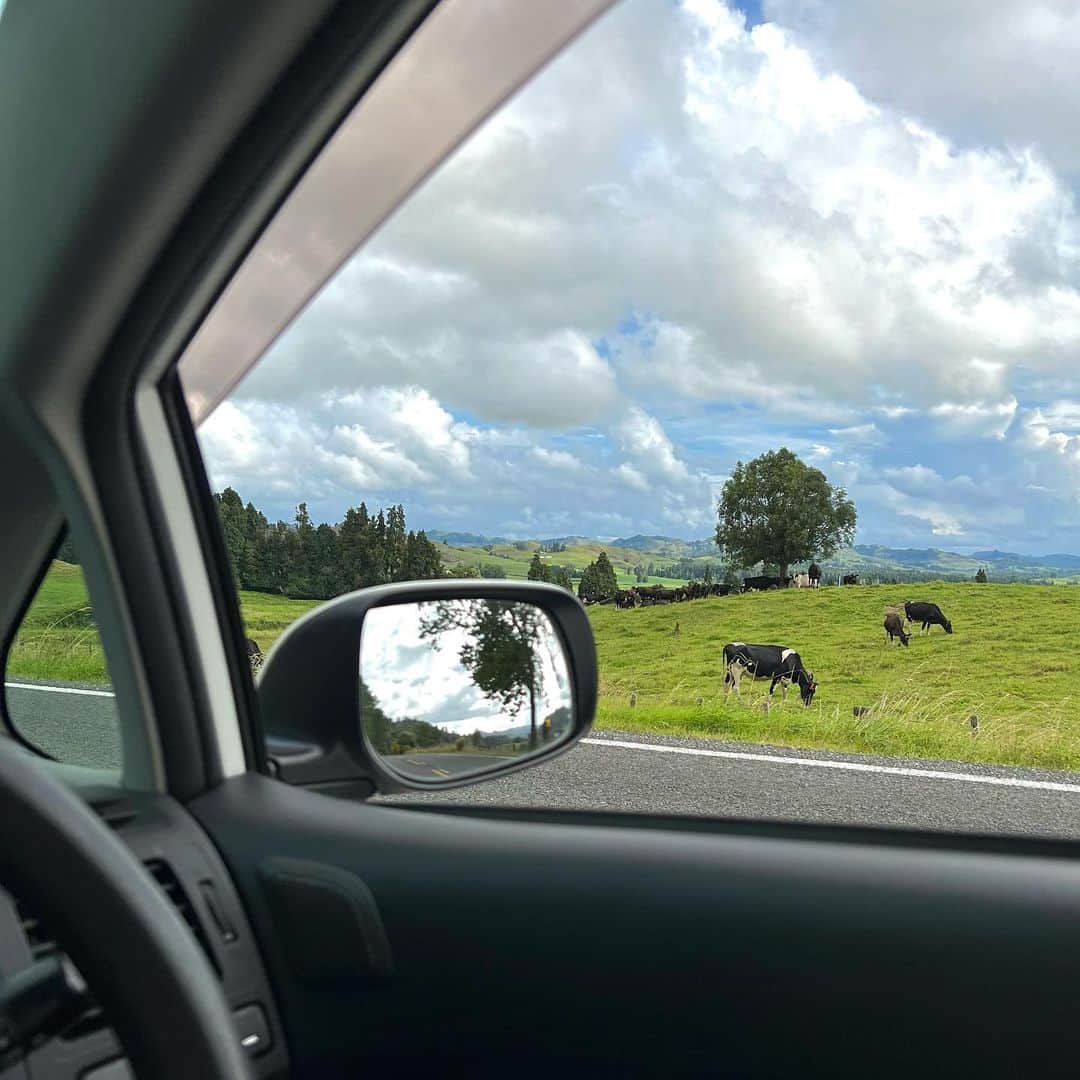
[(701, 233)]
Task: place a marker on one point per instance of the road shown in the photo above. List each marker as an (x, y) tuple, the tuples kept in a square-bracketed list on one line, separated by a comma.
[(77, 724), (619, 771), (440, 766)]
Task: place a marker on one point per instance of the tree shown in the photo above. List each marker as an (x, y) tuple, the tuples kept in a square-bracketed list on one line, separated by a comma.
[(560, 575), (777, 509), (707, 577), (500, 649), (537, 570), (980, 575), (599, 581)]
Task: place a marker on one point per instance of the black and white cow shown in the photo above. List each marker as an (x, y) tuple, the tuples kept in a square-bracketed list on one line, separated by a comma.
[(255, 656), (775, 662), (918, 611)]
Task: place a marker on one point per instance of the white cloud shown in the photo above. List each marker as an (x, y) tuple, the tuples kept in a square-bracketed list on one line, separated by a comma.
[(741, 240), (986, 71)]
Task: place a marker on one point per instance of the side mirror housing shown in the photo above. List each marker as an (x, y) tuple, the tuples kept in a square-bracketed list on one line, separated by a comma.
[(428, 685)]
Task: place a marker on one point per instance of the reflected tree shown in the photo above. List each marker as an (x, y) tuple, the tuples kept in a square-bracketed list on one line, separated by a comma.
[(499, 650)]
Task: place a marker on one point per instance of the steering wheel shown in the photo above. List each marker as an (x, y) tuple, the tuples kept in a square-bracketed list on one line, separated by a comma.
[(141, 962)]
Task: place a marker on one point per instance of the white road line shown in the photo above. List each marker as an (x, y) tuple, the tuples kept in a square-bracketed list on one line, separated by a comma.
[(59, 689), (847, 766)]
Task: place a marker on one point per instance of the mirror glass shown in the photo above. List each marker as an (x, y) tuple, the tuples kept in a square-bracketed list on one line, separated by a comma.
[(456, 687)]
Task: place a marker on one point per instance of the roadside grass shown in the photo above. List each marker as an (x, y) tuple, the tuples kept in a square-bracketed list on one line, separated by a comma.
[(58, 639), (1012, 662)]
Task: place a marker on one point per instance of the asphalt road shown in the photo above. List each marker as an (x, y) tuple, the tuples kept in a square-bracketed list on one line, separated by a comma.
[(440, 766), (76, 724), (618, 771)]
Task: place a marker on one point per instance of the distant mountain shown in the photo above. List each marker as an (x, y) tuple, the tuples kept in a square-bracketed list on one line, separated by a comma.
[(666, 545), (463, 539), (870, 560), (1011, 558)]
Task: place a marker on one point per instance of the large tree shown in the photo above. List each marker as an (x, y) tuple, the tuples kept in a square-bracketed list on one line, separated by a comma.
[(777, 509)]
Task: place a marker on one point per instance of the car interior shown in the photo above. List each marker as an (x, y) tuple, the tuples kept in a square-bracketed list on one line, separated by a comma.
[(235, 902)]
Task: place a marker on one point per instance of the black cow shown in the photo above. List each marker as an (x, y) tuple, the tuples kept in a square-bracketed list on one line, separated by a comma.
[(255, 656), (894, 627), (918, 611), (815, 575), (775, 662), (850, 579), (763, 582)]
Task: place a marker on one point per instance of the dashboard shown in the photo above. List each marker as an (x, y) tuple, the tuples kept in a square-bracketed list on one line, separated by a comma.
[(188, 869)]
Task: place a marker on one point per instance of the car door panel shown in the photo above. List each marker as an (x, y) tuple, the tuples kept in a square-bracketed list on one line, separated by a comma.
[(523, 944)]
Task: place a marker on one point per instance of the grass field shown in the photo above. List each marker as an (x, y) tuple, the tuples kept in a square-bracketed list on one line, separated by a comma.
[(1012, 662)]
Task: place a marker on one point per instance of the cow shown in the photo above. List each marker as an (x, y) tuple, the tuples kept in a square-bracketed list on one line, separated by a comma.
[(894, 627), (850, 579), (802, 581), (763, 582), (774, 662), (815, 575), (626, 598), (254, 653), (919, 611)]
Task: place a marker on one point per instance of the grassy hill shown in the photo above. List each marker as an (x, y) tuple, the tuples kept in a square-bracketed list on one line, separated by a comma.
[(513, 558), (1012, 661), (871, 561)]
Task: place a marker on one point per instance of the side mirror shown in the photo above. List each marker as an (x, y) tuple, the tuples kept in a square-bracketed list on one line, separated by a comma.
[(427, 685)]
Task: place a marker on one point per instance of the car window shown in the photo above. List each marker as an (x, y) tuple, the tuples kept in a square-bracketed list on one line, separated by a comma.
[(57, 691), (764, 351)]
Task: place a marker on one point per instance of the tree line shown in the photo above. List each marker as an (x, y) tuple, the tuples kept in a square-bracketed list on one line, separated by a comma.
[(315, 562)]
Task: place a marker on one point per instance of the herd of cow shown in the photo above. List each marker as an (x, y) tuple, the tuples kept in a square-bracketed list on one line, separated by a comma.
[(647, 595), (784, 665)]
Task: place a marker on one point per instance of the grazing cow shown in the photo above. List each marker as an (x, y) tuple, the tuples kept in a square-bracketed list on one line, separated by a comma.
[(850, 579), (255, 656), (894, 627), (918, 611), (774, 662), (802, 581), (815, 575)]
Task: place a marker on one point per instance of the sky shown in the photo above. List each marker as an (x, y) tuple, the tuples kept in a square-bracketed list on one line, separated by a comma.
[(701, 233), (401, 668)]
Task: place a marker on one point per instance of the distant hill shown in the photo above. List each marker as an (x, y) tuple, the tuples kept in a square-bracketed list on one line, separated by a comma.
[(667, 545), (463, 539), (870, 560)]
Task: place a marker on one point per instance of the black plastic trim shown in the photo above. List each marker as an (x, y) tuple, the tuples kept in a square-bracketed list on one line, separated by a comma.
[(309, 686)]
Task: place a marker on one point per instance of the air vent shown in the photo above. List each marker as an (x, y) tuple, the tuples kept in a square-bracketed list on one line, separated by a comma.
[(165, 876)]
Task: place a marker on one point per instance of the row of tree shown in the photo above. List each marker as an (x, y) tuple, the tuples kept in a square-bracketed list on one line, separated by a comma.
[(301, 559)]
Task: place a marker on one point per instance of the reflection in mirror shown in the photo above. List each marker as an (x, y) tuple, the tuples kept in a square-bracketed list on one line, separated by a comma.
[(456, 687)]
